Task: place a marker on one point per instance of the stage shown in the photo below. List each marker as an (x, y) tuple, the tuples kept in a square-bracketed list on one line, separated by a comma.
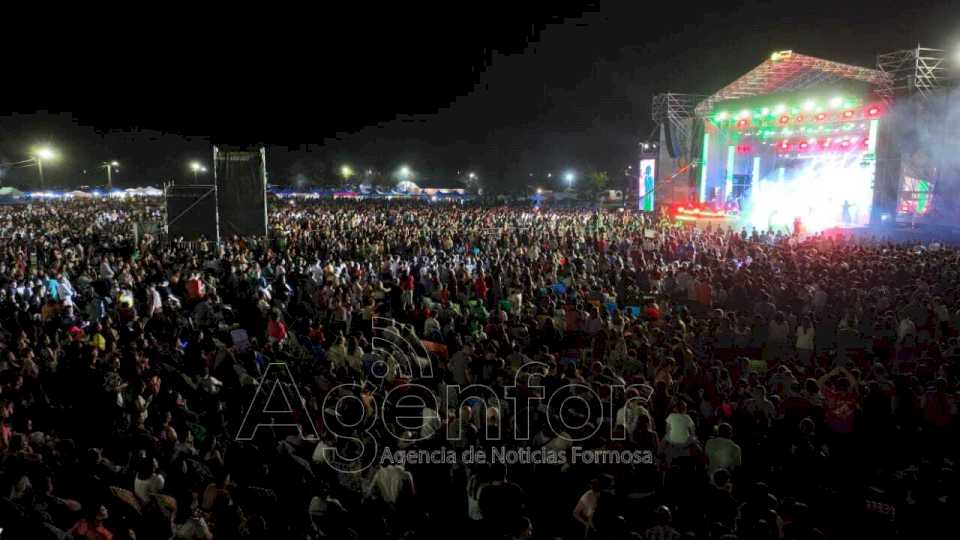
[(797, 138)]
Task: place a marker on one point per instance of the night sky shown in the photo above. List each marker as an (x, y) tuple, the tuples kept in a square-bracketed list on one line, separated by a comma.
[(474, 86)]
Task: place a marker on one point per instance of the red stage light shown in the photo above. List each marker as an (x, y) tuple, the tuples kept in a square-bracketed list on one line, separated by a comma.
[(784, 119), (799, 118), (821, 117), (803, 146), (848, 114), (784, 146), (744, 149), (742, 123), (873, 111)]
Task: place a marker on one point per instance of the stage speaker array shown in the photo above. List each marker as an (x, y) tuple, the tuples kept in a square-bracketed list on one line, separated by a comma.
[(192, 212), (240, 174)]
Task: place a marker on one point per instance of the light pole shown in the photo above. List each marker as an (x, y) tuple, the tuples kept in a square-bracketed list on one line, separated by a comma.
[(569, 177), (109, 166), (404, 172), (38, 156), (197, 168), (346, 172)]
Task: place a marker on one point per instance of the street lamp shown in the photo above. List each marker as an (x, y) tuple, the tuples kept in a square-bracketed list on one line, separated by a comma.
[(472, 176), (197, 168), (405, 172), (569, 177), (39, 155), (110, 166)]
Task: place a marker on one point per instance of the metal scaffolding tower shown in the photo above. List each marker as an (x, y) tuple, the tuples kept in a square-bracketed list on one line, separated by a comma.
[(920, 71), (677, 110)]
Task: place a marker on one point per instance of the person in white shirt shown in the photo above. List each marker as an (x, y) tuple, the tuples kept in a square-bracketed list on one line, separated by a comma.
[(721, 451), (389, 482), (587, 504), (154, 302), (106, 271), (907, 327), (147, 481), (629, 414), (680, 426)]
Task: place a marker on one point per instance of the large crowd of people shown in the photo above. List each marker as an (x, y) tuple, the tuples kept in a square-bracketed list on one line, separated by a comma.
[(777, 386)]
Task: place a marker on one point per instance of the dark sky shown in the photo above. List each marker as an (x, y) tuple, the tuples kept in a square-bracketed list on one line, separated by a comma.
[(471, 85)]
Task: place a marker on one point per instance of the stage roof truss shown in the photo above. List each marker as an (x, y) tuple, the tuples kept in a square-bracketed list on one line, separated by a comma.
[(787, 72)]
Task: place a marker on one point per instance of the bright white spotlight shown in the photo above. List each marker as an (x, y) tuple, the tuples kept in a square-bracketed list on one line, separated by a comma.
[(45, 153), (195, 166), (114, 164)]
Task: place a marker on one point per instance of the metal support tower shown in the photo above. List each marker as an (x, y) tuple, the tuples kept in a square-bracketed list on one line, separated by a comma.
[(920, 71), (677, 110)]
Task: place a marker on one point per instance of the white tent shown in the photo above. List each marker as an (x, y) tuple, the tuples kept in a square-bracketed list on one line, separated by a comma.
[(143, 192)]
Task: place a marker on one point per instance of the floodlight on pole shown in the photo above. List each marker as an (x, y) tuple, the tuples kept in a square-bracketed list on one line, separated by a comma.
[(197, 168), (110, 166), (405, 172), (39, 155), (569, 177)]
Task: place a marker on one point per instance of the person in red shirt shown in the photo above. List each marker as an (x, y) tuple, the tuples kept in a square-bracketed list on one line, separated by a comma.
[(276, 329), (480, 287), (841, 400), (407, 285), (195, 287), (91, 528)]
